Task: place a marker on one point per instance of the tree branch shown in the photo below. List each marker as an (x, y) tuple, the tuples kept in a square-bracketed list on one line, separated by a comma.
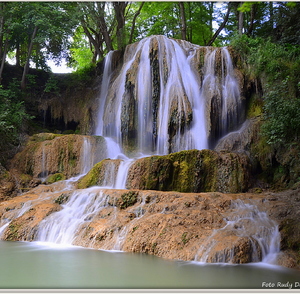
[(216, 34)]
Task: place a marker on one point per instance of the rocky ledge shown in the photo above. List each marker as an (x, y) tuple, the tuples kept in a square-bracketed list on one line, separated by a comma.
[(174, 225)]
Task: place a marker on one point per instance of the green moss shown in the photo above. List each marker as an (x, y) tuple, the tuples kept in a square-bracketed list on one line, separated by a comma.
[(43, 137), (184, 238), (255, 107), (128, 199), (55, 178), (93, 177), (13, 233), (63, 198), (25, 179), (194, 170)]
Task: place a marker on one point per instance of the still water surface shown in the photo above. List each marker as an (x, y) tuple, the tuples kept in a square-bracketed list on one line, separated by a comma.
[(42, 266)]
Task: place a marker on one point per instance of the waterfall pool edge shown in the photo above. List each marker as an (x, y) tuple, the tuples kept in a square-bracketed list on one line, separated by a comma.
[(34, 265)]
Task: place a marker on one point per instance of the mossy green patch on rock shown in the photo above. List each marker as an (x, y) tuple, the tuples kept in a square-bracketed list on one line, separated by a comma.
[(40, 137), (191, 171), (128, 199), (12, 233), (194, 170), (55, 178), (63, 198), (100, 174)]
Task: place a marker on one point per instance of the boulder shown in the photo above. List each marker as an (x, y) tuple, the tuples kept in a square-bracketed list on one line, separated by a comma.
[(48, 154), (191, 171)]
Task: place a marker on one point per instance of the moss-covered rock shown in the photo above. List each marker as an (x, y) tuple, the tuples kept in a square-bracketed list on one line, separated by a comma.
[(102, 174), (63, 198), (53, 155), (191, 171), (128, 199), (185, 171), (55, 178)]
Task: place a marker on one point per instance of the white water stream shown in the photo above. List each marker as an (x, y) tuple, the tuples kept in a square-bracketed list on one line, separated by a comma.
[(180, 91), (246, 220)]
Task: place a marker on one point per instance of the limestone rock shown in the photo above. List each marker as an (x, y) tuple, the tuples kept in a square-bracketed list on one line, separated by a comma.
[(240, 140), (167, 224), (191, 171), (48, 154)]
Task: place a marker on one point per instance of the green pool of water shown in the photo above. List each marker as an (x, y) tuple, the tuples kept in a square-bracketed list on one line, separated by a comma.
[(26, 265)]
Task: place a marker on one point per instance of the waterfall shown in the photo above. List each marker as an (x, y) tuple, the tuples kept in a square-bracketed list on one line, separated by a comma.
[(86, 157), (103, 92), (61, 227), (164, 99), (147, 98), (231, 108), (245, 221)]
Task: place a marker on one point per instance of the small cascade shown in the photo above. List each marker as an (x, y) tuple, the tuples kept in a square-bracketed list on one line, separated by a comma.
[(121, 177), (86, 157), (43, 175), (231, 107), (245, 222), (61, 227), (10, 215), (220, 90), (106, 77)]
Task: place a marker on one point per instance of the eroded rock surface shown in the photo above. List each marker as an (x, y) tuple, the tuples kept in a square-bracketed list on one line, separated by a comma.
[(167, 224)]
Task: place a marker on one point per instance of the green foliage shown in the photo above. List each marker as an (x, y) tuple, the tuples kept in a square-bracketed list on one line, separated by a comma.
[(52, 85), (278, 66), (12, 116), (82, 57), (282, 114)]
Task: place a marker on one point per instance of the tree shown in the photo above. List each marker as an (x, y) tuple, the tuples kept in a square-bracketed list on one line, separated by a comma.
[(222, 26), (183, 21), (46, 26)]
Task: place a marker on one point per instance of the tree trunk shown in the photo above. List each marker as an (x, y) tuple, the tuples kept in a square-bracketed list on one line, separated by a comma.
[(103, 26), (183, 20), (271, 9), (119, 8), (3, 59), (92, 41), (26, 67), (2, 6), (211, 11), (18, 54), (221, 26), (241, 21), (252, 18), (133, 22)]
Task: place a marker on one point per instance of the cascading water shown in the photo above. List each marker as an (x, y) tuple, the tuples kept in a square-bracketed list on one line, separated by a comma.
[(161, 102), (61, 227), (245, 221), (87, 158), (155, 102)]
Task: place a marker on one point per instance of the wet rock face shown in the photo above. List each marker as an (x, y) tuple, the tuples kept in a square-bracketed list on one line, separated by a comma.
[(7, 184), (191, 171), (185, 171), (49, 154), (186, 226), (171, 95)]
